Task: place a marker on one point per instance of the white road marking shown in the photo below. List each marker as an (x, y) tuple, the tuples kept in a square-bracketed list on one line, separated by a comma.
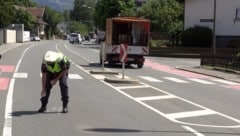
[(225, 81), (74, 76), (237, 125), (132, 87), (175, 80), (20, 75), (190, 114), (151, 79), (100, 77), (7, 129), (201, 81), (192, 130), (155, 98)]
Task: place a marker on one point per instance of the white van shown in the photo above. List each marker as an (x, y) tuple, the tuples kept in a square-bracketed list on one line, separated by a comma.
[(75, 38)]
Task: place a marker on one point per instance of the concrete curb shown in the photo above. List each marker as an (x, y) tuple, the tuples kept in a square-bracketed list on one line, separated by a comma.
[(103, 72), (123, 81), (207, 74)]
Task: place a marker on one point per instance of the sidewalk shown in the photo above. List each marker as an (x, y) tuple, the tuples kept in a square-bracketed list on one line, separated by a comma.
[(218, 73)]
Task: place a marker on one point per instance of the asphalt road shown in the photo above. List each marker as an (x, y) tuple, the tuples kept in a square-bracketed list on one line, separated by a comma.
[(165, 102)]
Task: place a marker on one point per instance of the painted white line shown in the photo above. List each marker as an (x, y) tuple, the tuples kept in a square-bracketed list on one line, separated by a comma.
[(20, 75), (155, 98), (100, 77), (237, 125), (7, 129), (175, 80), (201, 81), (188, 114), (151, 79), (225, 81), (192, 130), (132, 87), (74, 76), (120, 76)]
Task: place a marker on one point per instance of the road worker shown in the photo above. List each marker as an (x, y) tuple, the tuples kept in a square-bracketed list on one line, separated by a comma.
[(54, 68)]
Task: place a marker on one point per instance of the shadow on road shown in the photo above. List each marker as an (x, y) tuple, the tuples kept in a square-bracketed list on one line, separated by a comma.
[(118, 130), (26, 113)]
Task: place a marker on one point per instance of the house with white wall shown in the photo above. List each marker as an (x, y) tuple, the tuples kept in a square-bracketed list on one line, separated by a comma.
[(227, 19)]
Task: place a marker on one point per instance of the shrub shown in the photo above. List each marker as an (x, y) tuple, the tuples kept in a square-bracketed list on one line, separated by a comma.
[(197, 36)]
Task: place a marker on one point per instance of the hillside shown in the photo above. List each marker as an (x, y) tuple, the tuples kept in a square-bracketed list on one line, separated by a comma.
[(59, 5)]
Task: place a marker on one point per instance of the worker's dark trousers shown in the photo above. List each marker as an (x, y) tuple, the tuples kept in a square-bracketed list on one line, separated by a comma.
[(63, 86)]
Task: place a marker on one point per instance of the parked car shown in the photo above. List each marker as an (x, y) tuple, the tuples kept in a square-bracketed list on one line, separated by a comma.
[(75, 38), (34, 38)]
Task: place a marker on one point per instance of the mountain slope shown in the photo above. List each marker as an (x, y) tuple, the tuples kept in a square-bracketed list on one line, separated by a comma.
[(59, 5)]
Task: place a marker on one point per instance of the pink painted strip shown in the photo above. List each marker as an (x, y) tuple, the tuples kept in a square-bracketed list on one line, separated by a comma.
[(4, 83), (235, 87), (171, 70), (7, 68)]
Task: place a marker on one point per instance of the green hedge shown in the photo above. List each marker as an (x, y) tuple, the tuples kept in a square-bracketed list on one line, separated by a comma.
[(197, 36)]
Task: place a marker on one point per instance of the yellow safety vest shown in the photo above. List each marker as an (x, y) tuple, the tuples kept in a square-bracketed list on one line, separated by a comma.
[(56, 68)]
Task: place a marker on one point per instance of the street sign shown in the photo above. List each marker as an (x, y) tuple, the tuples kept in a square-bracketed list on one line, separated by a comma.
[(123, 52)]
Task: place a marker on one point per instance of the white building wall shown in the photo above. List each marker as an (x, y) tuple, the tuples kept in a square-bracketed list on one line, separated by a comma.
[(10, 36), (226, 25), (196, 10)]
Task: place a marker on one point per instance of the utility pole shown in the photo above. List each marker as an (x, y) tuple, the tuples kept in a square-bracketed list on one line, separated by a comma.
[(214, 27)]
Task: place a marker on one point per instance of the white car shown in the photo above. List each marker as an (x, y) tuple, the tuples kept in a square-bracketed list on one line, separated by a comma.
[(75, 38), (35, 38)]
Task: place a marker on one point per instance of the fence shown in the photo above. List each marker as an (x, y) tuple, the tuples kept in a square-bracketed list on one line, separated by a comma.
[(223, 58)]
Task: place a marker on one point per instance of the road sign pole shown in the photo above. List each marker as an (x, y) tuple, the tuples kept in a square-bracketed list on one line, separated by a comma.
[(123, 70), (103, 47)]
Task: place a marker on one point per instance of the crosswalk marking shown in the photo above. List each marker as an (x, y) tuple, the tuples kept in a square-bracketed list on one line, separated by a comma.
[(151, 79), (20, 75), (155, 97), (201, 81), (100, 77), (225, 81), (175, 80), (190, 114), (74, 76)]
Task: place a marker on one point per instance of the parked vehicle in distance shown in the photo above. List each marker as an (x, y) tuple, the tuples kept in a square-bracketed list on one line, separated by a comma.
[(34, 38), (75, 38)]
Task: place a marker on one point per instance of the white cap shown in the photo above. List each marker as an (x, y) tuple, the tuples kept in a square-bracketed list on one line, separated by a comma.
[(51, 56)]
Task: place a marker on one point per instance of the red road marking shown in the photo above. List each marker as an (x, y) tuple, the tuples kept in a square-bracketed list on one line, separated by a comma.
[(171, 70), (4, 83), (6, 68)]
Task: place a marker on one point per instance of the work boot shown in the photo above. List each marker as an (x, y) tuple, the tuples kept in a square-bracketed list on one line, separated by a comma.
[(43, 108), (65, 108)]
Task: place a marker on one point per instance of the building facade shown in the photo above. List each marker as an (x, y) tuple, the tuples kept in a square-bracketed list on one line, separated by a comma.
[(227, 24)]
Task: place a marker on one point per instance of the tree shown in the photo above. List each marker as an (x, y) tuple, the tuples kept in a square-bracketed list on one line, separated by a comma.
[(75, 26), (6, 13), (112, 8), (66, 15), (52, 17), (23, 17), (82, 10), (165, 15)]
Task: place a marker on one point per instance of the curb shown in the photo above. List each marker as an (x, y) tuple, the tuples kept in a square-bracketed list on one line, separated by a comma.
[(123, 81), (207, 74), (104, 72)]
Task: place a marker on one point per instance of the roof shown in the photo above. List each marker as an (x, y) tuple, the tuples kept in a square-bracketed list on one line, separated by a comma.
[(36, 12), (129, 19)]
